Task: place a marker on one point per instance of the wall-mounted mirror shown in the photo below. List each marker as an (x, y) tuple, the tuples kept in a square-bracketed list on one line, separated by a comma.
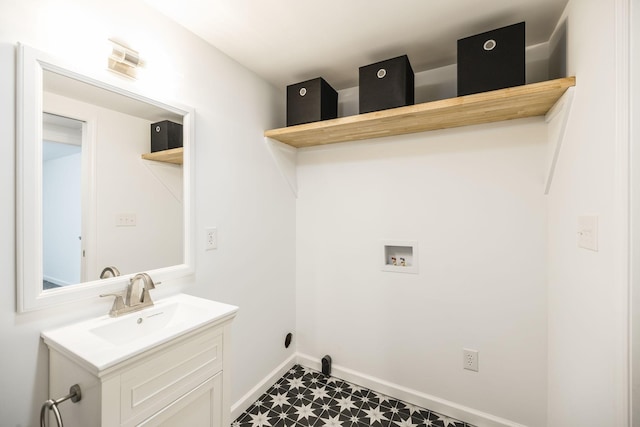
[(93, 209)]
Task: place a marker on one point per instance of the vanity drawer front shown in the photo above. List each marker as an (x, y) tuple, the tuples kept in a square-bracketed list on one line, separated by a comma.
[(154, 383), (201, 407)]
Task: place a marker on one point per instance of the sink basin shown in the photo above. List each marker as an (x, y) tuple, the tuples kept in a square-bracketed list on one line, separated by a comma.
[(105, 341), (152, 321)]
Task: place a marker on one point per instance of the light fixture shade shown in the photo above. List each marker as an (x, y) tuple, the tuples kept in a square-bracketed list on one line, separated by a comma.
[(123, 60)]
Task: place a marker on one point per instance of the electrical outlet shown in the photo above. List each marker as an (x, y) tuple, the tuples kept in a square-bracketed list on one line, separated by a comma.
[(588, 232), (211, 238), (470, 359)]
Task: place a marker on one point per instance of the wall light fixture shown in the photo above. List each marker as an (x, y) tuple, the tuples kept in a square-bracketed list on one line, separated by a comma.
[(124, 60)]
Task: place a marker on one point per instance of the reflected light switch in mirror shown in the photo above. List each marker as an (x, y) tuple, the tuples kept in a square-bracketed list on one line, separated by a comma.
[(126, 220), (588, 232)]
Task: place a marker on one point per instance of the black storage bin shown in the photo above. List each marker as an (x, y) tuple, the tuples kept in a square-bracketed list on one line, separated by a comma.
[(165, 135), (386, 84), (492, 60), (311, 101)]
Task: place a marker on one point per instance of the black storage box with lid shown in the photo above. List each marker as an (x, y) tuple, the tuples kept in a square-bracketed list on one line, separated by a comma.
[(492, 60), (311, 101), (386, 84), (165, 135)]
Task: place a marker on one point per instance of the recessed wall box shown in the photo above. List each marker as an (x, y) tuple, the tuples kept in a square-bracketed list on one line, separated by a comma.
[(311, 101), (400, 256), (165, 135), (492, 60), (386, 84)]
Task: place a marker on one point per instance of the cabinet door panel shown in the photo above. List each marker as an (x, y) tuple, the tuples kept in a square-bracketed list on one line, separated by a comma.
[(200, 407), (158, 381)]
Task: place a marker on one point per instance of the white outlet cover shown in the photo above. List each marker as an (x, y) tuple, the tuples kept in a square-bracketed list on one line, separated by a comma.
[(470, 359), (588, 232), (211, 238)]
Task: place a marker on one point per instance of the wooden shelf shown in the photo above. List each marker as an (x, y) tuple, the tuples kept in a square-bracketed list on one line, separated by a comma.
[(505, 104), (173, 155)]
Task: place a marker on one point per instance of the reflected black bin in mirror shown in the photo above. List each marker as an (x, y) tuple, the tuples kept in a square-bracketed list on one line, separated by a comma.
[(492, 60), (165, 135), (311, 101), (386, 84)]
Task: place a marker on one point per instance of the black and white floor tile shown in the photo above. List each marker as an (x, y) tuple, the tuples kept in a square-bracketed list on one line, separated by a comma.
[(304, 397)]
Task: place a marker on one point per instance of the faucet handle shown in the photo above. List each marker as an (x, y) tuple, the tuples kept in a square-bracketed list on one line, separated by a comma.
[(118, 303), (111, 295)]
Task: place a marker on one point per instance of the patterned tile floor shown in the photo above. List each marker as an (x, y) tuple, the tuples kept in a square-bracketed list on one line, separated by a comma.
[(304, 397)]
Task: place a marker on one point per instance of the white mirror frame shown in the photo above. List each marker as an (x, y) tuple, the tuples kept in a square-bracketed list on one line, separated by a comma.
[(31, 64)]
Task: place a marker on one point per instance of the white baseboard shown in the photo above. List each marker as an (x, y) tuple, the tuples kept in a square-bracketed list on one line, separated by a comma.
[(436, 404), (245, 401)]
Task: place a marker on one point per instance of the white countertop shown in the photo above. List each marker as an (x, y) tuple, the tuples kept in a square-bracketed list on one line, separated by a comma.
[(102, 342)]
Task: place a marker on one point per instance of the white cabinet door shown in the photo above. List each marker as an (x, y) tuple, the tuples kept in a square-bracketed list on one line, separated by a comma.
[(157, 381), (200, 407)]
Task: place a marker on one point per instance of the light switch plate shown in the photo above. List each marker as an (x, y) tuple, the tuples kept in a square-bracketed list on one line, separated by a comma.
[(588, 232), (126, 220)]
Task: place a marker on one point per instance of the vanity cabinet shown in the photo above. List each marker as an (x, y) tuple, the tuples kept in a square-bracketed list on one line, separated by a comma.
[(182, 382)]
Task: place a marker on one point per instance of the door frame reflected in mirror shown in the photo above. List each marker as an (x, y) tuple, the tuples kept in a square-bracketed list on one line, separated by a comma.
[(68, 192), (31, 66)]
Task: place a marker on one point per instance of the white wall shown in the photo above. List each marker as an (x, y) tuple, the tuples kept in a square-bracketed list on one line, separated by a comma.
[(238, 187), (473, 199), (587, 292)]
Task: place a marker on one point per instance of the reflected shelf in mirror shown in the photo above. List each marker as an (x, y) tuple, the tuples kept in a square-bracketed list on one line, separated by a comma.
[(173, 155)]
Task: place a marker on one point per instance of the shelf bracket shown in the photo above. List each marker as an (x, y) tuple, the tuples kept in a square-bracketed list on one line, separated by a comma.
[(557, 119), (167, 175), (286, 159)]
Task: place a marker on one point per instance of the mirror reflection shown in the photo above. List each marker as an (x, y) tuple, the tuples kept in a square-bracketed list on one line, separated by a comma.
[(61, 201), (105, 210)]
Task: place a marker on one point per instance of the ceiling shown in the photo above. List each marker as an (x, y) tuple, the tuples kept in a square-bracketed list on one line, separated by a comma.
[(289, 41)]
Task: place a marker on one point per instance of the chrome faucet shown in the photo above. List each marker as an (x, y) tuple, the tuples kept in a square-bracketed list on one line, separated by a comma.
[(136, 296), (111, 271)]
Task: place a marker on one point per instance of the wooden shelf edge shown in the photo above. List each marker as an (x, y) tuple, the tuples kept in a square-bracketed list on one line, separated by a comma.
[(173, 156), (505, 104)]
